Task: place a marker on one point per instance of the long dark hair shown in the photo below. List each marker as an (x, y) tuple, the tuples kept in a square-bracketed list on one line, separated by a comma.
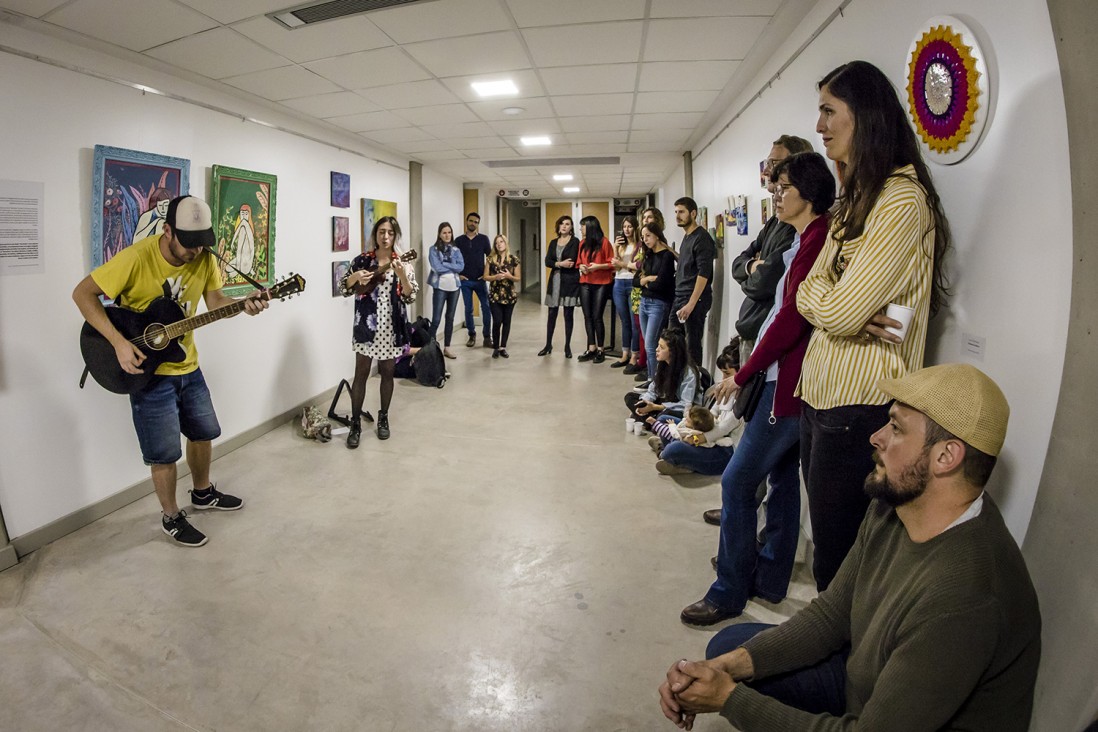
[(592, 241), (441, 245), (561, 220), (883, 141), (669, 373), (371, 246)]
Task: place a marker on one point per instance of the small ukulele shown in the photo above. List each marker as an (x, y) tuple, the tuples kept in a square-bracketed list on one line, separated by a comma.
[(375, 279)]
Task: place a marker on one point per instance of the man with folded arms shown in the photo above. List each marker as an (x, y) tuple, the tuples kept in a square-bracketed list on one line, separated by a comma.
[(932, 622)]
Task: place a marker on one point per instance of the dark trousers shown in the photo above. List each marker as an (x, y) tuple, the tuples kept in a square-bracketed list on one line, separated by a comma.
[(593, 299), (551, 326), (694, 326), (836, 457), (501, 323), (818, 689)]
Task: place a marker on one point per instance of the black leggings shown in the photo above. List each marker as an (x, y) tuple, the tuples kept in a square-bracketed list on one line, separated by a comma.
[(501, 322), (593, 299), (551, 326), (385, 369)]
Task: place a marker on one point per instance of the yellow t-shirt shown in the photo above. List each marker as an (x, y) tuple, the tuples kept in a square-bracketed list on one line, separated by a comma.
[(139, 274)]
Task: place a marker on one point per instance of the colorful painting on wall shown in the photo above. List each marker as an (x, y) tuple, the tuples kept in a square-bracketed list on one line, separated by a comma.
[(244, 223), (130, 195), (341, 190), (763, 177), (341, 233), (372, 210), (766, 209), (339, 271)]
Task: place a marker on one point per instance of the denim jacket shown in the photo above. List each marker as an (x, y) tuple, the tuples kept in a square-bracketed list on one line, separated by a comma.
[(441, 263)]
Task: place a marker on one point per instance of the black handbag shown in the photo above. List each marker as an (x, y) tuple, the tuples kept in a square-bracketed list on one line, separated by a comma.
[(747, 400)]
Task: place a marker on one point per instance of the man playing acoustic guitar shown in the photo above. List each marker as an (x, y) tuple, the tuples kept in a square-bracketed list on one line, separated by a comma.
[(174, 265)]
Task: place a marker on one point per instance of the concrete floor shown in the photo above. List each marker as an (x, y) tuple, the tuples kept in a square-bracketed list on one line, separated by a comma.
[(509, 560)]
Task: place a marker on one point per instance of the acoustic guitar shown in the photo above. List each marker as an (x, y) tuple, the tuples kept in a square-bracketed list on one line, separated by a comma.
[(156, 331), (375, 279)]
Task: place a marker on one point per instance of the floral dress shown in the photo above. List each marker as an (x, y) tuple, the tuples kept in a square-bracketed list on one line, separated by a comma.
[(502, 292), (381, 319)]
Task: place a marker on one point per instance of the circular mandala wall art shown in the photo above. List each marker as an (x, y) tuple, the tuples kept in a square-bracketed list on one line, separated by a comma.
[(947, 90)]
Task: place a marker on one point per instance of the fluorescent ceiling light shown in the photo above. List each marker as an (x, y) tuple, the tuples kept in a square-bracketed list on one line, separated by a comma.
[(562, 176), (494, 88), (572, 189), (539, 140), (512, 111)]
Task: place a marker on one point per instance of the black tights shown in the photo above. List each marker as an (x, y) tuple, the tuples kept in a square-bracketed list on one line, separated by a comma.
[(551, 325), (593, 298), (385, 370), (501, 322)]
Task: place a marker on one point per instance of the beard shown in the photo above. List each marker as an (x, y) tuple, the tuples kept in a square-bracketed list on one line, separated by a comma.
[(910, 484)]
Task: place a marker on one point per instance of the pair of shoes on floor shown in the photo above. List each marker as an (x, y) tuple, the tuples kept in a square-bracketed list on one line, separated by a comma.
[(545, 351), (712, 516), (656, 444), (448, 353), (587, 356), (706, 613), (471, 342), (665, 468)]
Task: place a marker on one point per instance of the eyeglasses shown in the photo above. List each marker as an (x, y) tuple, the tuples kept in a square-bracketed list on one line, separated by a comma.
[(781, 188), (771, 162)]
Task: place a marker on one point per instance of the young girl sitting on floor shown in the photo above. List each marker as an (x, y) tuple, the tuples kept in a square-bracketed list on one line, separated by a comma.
[(691, 429)]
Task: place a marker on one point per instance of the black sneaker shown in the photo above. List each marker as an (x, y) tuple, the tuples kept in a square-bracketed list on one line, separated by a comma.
[(642, 375), (181, 531), (383, 425), (642, 387), (213, 498)]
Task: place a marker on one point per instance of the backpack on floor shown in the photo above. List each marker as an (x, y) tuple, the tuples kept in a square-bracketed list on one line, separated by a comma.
[(430, 365), (419, 332)]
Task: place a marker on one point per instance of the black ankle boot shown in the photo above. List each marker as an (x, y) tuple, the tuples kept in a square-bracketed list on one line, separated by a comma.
[(355, 435), (383, 425), (568, 352), (545, 351)]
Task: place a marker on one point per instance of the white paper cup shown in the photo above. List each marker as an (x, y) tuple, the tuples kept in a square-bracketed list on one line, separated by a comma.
[(629, 424), (638, 428), (903, 314)]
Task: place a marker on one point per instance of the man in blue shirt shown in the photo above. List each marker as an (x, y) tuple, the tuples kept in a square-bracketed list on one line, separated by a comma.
[(474, 248)]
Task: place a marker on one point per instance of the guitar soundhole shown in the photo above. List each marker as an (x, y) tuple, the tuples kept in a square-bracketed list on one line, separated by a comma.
[(156, 337)]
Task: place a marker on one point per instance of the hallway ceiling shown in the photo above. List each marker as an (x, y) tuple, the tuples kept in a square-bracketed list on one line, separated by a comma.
[(641, 80)]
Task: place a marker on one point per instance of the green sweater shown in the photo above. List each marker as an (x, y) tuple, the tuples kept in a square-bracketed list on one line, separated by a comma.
[(944, 635)]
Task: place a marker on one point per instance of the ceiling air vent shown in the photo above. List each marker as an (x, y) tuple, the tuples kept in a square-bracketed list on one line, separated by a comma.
[(310, 13)]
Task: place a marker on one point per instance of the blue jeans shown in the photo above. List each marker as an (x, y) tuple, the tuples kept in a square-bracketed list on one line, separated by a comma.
[(817, 689), (623, 288), (743, 570), (450, 300), (168, 406), (702, 460), (653, 317), (480, 287)]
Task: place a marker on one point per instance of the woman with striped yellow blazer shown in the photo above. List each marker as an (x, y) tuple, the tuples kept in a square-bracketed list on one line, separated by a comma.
[(885, 246)]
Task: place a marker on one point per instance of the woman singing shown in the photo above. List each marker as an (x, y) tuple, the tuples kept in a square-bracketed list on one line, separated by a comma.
[(381, 320)]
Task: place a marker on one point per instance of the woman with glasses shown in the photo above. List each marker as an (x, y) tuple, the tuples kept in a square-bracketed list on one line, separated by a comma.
[(886, 244)]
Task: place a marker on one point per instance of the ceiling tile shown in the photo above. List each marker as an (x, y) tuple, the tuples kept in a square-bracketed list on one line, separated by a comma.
[(702, 8), (686, 75), (488, 53), (218, 53), (33, 8), (410, 94), (538, 12), (604, 79), (466, 129), (284, 83), (525, 79), (437, 114), (595, 124), (441, 19), (580, 105), (581, 138), (230, 12), (493, 153), (545, 126), (678, 101), (694, 40), (493, 109), (313, 42), (655, 147), (677, 136), (332, 105), (600, 149), (398, 134), (666, 121), (439, 155), (475, 143), (369, 68), (599, 43), (418, 146), (369, 121), (126, 22)]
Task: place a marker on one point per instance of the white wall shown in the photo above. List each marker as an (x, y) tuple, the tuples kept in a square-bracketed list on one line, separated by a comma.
[(62, 449), (1009, 203)]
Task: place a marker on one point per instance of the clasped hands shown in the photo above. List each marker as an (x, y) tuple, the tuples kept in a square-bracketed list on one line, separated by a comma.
[(694, 687)]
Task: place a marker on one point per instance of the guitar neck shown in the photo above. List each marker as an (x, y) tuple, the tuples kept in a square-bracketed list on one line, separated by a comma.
[(186, 325)]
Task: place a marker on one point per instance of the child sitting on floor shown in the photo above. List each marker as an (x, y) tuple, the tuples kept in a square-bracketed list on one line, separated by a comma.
[(696, 422)]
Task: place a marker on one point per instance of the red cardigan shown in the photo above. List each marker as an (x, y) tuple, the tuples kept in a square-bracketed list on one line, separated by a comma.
[(602, 256), (786, 340)]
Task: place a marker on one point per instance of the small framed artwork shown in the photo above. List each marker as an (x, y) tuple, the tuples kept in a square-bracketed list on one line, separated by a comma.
[(766, 210), (372, 210), (703, 217), (718, 235), (763, 177), (341, 233), (339, 271), (130, 195), (243, 208), (341, 190)]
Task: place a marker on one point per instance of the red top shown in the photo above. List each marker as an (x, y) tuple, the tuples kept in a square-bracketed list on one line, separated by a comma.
[(602, 256), (786, 340)]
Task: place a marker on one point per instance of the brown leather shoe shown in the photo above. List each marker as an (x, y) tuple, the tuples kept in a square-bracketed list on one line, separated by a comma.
[(712, 516), (703, 613)]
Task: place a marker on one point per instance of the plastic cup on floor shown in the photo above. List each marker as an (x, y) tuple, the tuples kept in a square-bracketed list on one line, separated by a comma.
[(638, 428), (629, 424)]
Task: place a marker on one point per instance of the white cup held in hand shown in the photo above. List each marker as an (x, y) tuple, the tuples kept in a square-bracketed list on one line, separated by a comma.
[(903, 314)]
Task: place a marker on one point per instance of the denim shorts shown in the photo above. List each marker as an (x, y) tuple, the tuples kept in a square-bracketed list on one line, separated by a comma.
[(170, 406)]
